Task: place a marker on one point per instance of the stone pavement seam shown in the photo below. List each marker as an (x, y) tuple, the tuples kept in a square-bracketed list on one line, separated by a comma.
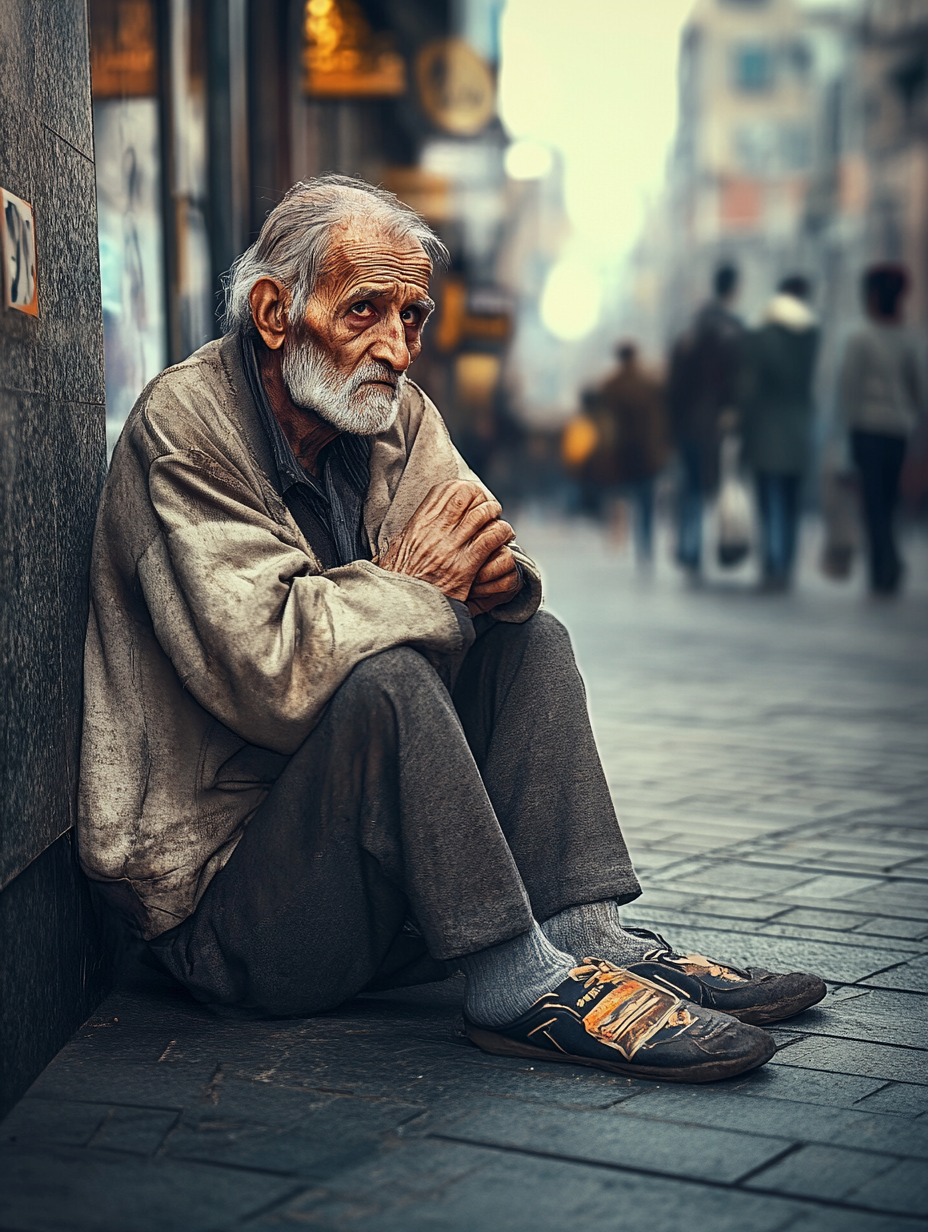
[(828, 1203)]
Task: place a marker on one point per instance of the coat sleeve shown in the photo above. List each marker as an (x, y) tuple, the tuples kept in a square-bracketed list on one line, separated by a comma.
[(527, 602), (261, 638)]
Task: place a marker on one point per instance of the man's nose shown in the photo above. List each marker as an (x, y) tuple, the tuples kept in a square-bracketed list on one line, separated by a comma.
[(390, 344)]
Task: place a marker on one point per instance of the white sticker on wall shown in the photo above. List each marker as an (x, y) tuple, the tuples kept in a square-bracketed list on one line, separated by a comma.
[(19, 262)]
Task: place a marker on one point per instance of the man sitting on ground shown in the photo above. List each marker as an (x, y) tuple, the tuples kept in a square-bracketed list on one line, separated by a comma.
[(330, 742)]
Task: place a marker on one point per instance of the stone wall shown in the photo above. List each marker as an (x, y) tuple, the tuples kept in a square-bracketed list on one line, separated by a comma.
[(52, 461)]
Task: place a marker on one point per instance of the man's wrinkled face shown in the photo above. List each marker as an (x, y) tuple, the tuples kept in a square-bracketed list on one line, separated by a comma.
[(363, 328)]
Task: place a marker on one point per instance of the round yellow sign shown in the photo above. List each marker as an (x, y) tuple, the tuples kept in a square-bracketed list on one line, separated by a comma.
[(456, 87)]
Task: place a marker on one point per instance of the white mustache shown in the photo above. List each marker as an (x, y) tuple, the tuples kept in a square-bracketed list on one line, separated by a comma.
[(375, 373)]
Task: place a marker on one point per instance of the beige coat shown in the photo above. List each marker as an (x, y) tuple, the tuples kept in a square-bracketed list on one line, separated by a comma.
[(215, 639)]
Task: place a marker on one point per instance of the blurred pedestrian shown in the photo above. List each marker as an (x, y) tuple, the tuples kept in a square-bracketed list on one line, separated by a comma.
[(881, 397), (580, 443), (632, 400), (701, 397), (776, 420)]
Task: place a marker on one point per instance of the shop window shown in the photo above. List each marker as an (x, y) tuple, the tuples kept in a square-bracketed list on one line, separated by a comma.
[(155, 265), (127, 148)]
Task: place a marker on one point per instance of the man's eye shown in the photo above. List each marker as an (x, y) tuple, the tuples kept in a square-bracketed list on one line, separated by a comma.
[(411, 316), (364, 308)]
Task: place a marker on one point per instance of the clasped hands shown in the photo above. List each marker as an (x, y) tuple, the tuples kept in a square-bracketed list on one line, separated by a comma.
[(457, 541)]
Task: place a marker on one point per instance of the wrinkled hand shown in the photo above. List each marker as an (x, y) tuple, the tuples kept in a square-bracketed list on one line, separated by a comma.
[(450, 539), (498, 582)]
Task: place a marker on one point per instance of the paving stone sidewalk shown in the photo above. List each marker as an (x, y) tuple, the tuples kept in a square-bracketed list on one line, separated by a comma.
[(769, 758)]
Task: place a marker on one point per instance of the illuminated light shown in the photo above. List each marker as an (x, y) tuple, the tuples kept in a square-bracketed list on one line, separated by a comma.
[(344, 58), (528, 160), (571, 301)]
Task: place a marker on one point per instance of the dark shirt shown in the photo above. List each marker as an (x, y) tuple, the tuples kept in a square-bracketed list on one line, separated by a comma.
[(328, 510)]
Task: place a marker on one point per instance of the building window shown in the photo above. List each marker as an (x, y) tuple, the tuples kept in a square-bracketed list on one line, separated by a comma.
[(799, 58), (753, 68), (796, 147), (741, 205), (755, 147)]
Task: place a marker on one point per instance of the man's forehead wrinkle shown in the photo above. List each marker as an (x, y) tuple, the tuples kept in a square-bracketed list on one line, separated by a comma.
[(357, 242), (368, 258), (360, 263)]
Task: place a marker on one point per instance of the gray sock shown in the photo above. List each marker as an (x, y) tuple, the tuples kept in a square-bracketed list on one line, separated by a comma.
[(506, 980), (592, 930)]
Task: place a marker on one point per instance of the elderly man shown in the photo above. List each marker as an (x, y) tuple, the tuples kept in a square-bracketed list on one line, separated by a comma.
[(330, 742)]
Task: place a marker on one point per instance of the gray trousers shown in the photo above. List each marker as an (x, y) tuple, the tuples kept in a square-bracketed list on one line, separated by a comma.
[(467, 813)]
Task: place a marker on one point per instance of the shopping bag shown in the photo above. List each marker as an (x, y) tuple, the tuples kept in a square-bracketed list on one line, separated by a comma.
[(841, 515), (840, 508), (734, 507)]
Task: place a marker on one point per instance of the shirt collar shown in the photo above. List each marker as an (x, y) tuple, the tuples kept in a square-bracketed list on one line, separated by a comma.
[(289, 470)]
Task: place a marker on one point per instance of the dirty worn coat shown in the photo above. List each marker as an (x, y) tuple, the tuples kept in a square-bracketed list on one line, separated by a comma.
[(215, 638)]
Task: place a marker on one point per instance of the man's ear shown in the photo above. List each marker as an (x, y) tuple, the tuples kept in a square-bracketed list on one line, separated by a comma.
[(270, 303)]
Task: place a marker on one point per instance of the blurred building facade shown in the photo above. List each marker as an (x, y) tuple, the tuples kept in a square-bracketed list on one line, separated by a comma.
[(802, 146), (744, 150)]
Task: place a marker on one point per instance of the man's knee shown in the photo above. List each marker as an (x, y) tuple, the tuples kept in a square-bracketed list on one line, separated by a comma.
[(400, 672), (547, 628), (542, 633)]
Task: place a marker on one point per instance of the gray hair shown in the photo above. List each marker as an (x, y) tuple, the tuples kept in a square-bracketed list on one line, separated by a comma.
[(294, 241)]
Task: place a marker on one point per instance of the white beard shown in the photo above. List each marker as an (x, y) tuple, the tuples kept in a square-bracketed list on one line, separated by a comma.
[(350, 404)]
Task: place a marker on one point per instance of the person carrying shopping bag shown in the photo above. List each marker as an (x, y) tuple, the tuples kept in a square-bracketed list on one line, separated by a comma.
[(777, 416)]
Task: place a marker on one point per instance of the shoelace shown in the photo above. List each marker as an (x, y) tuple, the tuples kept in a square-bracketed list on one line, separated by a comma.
[(664, 949), (599, 972)]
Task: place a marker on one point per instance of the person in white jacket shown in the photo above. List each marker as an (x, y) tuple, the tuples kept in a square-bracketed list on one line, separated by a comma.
[(881, 397)]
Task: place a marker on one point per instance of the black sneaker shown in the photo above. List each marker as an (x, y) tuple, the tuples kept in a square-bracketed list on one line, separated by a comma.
[(606, 1017), (750, 994)]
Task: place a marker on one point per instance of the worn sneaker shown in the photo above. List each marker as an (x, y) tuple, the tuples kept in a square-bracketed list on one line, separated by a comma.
[(606, 1017), (750, 994)]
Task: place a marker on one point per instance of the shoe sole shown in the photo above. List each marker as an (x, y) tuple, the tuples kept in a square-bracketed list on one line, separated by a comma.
[(708, 1071), (779, 1011)]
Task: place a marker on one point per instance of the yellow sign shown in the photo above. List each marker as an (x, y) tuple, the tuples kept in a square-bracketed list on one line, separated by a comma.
[(579, 439), (456, 87), (123, 49), (344, 57)]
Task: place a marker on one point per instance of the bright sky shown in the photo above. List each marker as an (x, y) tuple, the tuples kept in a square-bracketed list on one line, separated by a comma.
[(596, 79)]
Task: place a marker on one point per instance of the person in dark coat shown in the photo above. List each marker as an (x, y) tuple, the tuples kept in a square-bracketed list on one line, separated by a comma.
[(776, 421), (632, 402), (701, 396)]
